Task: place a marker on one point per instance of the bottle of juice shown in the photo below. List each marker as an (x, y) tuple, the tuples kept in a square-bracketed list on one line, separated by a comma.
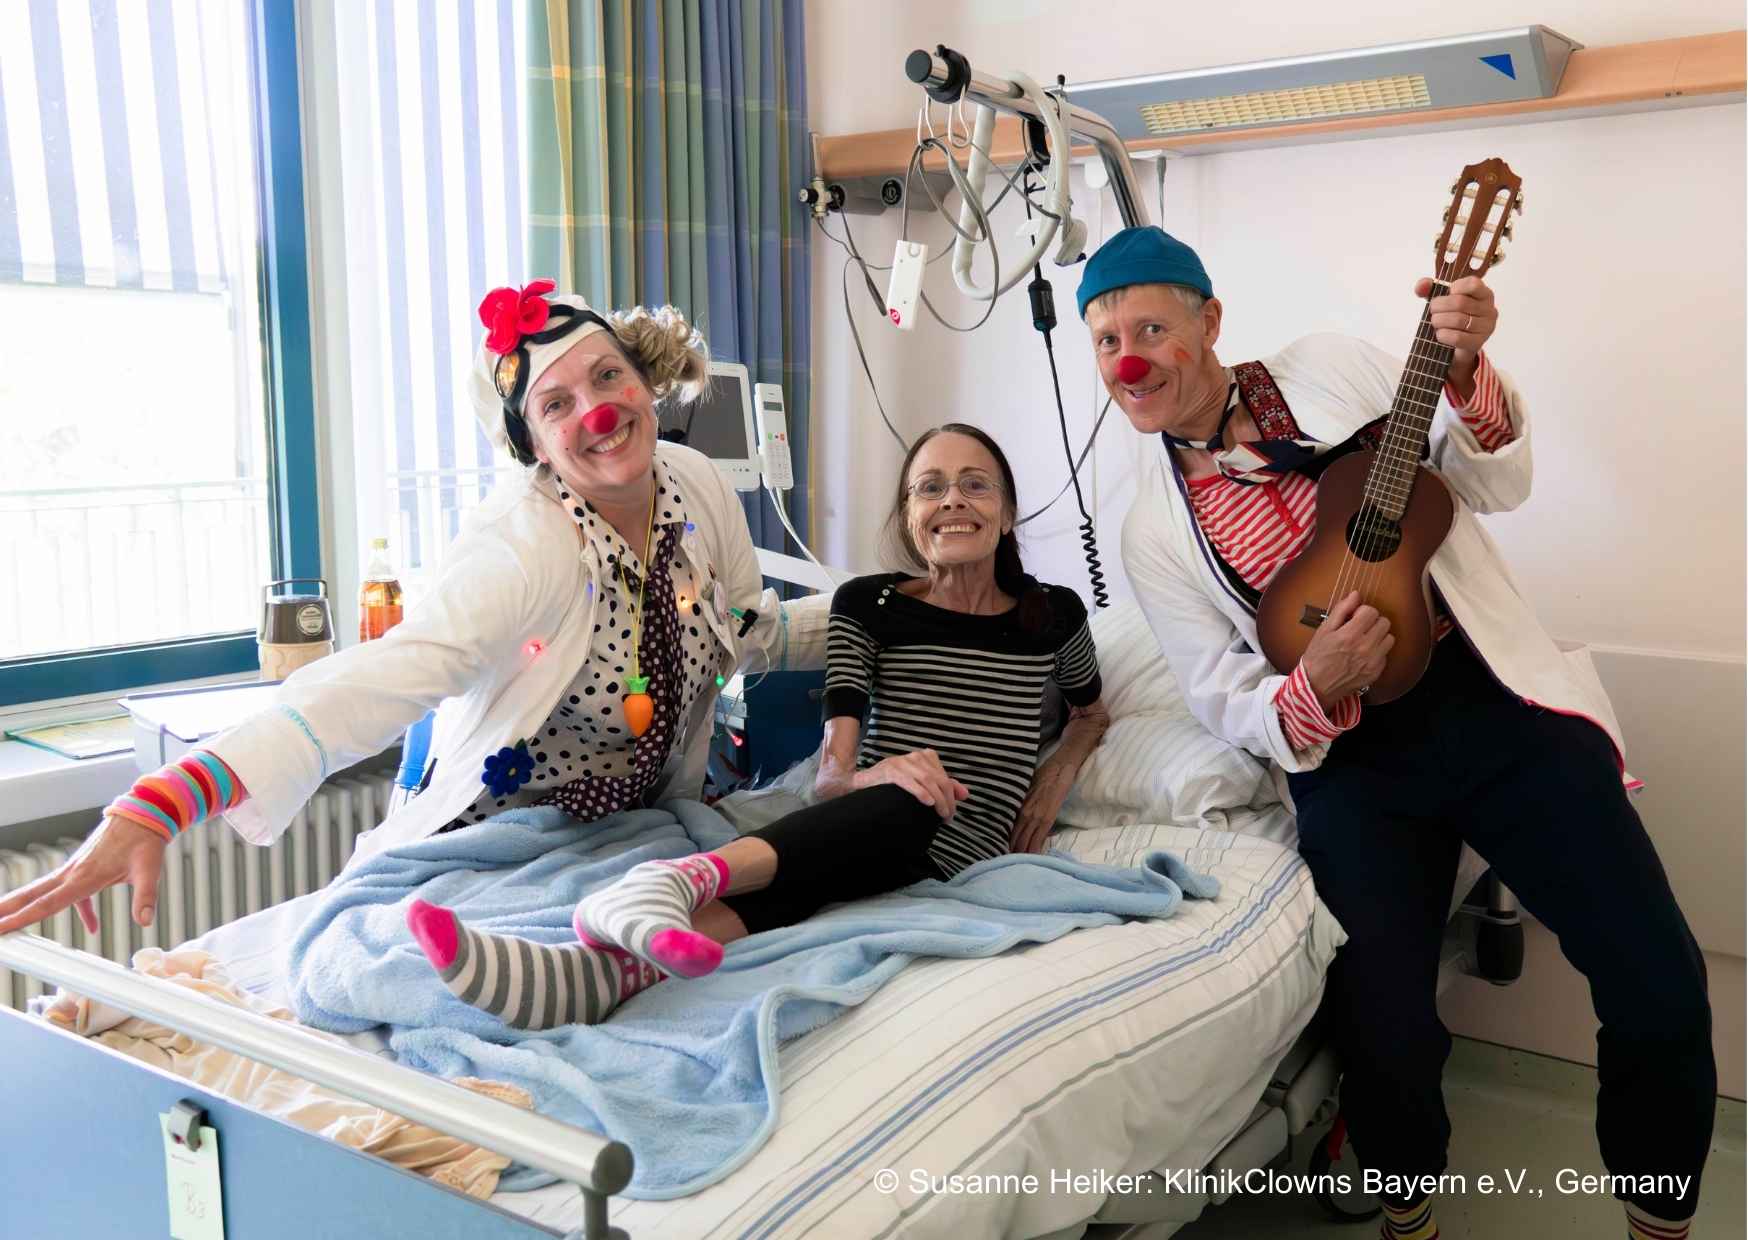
[(379, 601)]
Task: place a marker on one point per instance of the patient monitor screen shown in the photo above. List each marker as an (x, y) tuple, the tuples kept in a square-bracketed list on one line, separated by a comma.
[(715, 425)]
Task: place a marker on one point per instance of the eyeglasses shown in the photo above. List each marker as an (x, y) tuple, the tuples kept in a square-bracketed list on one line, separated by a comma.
[(973, 487)]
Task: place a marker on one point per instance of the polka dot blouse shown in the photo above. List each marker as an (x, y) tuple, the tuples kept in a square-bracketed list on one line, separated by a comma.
[(585, 759)]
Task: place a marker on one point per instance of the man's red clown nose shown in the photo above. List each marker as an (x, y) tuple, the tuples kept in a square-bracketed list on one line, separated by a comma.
[(1131, 369), (601, 419)]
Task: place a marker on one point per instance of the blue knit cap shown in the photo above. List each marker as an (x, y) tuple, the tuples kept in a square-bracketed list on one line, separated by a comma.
[(1141, 256)]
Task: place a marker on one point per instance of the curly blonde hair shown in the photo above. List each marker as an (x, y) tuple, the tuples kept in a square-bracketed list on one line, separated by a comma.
[(666, 348)]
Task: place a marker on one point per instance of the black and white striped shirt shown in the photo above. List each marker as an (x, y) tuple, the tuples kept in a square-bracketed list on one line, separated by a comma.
[(969, 687)]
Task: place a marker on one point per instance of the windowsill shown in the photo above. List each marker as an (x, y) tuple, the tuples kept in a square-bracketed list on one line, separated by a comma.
[(92, 706), (35, 783)]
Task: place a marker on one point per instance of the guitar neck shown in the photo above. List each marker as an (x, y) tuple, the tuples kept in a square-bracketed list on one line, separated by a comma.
[(1404, 443)]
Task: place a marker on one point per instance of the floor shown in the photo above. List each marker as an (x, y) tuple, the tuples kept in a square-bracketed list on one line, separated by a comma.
[(1515, 1112)]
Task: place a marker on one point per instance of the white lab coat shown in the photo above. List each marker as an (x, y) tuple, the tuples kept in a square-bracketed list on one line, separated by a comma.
[(1334, 385), (503, 635)]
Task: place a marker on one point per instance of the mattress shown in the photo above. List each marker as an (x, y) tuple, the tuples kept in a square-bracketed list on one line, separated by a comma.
[(1113, 1051)]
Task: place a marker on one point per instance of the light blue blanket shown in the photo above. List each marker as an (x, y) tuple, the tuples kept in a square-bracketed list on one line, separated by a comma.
[(686, 1072)]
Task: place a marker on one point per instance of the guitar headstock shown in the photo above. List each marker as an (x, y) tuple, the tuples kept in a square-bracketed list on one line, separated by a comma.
[(1478, 222)]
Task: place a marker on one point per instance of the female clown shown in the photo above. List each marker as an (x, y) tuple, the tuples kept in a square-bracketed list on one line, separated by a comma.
[(571, 647)]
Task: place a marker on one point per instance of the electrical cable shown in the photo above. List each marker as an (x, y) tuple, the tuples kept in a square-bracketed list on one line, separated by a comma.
[(1044, 319), (783, 516), (855, 332), (1014, 180), (854, 256)]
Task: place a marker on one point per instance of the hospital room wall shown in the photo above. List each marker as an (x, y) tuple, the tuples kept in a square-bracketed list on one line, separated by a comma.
[(1622, 319)]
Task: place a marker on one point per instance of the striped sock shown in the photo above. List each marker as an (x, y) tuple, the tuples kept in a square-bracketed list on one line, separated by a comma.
[(527, 985), (649, 914), (1643, 1226), (1413, 1221)]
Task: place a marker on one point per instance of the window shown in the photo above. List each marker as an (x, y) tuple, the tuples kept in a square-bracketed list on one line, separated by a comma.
[(417, 115), (147, 155)]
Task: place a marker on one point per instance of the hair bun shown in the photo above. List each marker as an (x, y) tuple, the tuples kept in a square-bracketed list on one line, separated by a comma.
[(669, 349)]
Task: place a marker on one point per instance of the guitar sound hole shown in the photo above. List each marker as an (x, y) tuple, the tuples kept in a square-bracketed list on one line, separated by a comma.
[(1372, 536)]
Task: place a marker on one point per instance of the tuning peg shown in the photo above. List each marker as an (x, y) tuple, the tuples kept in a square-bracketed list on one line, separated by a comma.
[(1505, 233), (1499, 258), (1517, 203)]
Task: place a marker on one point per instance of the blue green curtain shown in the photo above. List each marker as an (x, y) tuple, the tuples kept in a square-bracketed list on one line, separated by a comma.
[(666, 142)]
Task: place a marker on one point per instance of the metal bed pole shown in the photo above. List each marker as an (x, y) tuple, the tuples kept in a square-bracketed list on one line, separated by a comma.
[(947, 76), (597, 1166)]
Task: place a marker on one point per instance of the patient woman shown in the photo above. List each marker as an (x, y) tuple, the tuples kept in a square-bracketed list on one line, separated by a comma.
[(951, 668)]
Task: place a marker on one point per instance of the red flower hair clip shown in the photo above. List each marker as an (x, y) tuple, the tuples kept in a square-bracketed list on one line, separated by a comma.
[(510, 315)]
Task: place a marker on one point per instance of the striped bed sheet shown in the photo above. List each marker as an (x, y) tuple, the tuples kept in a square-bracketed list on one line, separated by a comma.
[(1113, 1050)]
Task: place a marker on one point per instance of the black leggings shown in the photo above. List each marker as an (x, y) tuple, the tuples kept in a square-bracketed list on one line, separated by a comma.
[(1539, 796), (862, 844)]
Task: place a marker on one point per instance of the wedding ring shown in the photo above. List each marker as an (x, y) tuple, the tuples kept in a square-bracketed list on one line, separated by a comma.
[(1365, 689), (1469, 326)]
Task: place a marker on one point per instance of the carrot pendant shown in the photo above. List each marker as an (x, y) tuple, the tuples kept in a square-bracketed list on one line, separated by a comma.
[(639, 709)]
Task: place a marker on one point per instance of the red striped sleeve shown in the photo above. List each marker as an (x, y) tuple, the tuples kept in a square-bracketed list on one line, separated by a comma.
[(1484, 413), (1301, 714)]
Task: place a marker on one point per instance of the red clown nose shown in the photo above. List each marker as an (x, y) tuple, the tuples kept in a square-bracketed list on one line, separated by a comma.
[(601, 419), (1131, 369)]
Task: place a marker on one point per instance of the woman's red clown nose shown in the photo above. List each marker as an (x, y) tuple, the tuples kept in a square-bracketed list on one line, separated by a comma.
[(1131, 369), (601, 419)]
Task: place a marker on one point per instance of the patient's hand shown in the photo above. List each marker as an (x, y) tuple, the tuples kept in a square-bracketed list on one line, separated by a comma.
[(1055, 776), (921, 774), (1051, 784), (118, 851)]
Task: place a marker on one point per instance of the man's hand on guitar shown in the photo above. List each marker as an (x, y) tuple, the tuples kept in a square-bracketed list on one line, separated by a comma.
[(1464, 319), (1347, 653)]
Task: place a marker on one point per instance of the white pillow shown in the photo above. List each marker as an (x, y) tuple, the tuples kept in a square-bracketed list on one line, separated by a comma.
[(1157, 763)]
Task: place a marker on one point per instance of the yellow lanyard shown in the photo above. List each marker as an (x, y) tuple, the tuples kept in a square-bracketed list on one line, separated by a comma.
[(639, 710)]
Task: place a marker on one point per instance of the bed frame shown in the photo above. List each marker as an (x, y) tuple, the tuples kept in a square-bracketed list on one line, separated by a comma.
[(81, 1131)]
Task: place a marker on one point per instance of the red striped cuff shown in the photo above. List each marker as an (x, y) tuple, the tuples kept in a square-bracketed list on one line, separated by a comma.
[(1485, 413), (1302, 717)]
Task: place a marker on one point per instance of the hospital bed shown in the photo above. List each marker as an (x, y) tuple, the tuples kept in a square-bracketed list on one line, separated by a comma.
[(1149, 1050)]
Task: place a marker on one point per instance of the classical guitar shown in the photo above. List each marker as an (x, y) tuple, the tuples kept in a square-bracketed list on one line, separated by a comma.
[(1381, 514)]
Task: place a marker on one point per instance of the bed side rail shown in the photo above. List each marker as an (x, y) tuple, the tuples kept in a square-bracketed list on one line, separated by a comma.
[(597, 1166)]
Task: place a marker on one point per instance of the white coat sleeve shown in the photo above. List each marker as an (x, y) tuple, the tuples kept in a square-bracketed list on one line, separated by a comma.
[(1228, 687), (1495, 481), (358, 701)]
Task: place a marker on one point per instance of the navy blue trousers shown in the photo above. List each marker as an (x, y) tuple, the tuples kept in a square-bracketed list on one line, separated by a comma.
[(1538, 795)]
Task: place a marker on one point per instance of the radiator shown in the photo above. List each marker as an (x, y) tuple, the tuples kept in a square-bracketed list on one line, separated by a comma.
[(212, 876)]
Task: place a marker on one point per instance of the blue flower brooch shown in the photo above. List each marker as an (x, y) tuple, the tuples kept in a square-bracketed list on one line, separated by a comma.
[(508, 769)]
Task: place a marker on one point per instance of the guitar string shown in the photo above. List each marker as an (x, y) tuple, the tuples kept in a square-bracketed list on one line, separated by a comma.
[(1391, 481), (1359, 572), (1393, 437), (1400, 478), (1398, 439), (1368, 572)]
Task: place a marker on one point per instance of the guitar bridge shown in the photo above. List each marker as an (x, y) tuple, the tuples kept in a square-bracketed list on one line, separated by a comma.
[(1312, 617)]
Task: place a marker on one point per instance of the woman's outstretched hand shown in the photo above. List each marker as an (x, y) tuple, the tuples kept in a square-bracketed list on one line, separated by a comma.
[(119, 851)]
